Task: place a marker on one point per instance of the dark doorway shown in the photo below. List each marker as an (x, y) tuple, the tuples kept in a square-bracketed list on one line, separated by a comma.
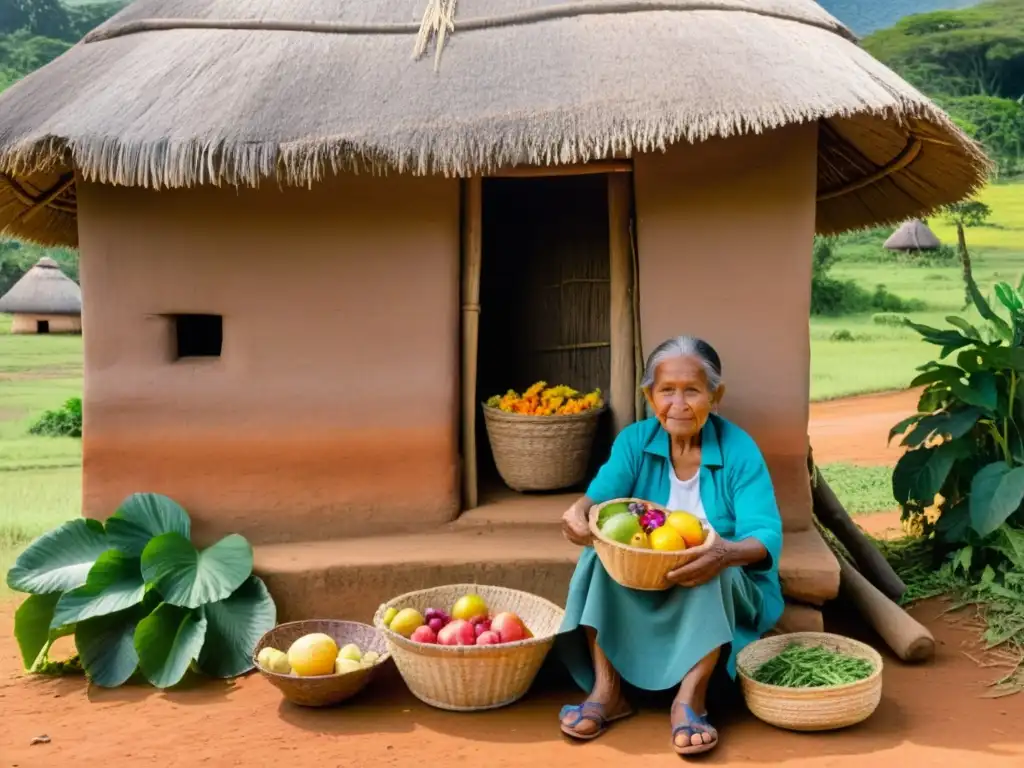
[(42, 326), (544, 292)]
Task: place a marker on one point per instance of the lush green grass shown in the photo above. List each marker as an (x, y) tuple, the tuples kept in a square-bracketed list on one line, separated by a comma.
[(885, 357), (861, 489), (40, 477)]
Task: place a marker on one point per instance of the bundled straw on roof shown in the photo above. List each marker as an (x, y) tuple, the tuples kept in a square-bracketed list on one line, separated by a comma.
[(173, 93), (43, 290), (913, 235)]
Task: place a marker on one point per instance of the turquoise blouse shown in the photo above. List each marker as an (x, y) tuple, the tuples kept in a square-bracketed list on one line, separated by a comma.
[(735, 487)]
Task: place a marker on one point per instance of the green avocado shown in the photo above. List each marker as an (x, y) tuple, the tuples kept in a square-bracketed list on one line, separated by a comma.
[(621, 527)]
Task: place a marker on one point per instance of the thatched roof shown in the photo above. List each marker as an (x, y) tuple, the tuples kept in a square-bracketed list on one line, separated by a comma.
[(173, 93), (43, 290), (913, 235)]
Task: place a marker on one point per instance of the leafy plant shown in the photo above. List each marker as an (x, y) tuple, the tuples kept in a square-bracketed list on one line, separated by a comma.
[(139, 597), (62, 422), (966, 443)]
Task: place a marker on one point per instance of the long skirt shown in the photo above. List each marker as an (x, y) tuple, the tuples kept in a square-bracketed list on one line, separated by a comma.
[(653, 639)]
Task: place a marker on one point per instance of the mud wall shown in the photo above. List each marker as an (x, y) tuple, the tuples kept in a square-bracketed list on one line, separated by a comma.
[(332, 408), (724, 233), (58, 323)]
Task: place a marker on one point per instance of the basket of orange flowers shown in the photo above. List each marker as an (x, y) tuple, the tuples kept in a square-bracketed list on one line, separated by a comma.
[(542, 439)]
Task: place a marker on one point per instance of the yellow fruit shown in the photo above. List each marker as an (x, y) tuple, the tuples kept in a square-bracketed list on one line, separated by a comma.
[(274, 660), (406, 621), (350, 651), (688, 526), (469, 607), (344, 666), (369, 658), (389, 616), (667, 539), (313, 654), (640, 541)]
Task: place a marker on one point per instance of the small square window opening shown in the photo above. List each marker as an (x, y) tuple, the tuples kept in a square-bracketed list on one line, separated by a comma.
[(198, 335)]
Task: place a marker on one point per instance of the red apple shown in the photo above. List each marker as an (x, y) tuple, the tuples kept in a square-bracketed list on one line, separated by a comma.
[(423, 634), (458, 632), (482, 626), (509, 627), (436, 624), (488, 638)]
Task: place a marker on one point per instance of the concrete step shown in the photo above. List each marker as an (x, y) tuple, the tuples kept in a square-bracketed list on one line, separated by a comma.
[(349, 578)]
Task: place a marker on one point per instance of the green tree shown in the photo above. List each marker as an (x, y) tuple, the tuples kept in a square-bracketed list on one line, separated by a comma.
[(968, 213)]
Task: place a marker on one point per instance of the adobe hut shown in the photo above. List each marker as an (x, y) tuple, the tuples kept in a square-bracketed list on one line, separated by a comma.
[(295, 232), (912, 236), (44, 300)]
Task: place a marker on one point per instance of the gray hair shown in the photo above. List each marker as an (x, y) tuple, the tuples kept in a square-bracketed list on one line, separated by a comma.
[(685, 346)]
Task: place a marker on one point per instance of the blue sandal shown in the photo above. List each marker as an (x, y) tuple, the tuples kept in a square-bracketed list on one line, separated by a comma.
[(588, 710), (695, 725)]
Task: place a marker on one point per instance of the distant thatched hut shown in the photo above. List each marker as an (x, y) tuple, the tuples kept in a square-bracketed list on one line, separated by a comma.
[(913, 235), (275, 339), (44, 300)]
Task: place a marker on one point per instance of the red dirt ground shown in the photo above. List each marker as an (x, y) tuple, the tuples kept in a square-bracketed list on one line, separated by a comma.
[(932, 715)]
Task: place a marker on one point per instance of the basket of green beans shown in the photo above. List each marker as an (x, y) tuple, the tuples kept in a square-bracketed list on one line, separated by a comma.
[(810, 681)]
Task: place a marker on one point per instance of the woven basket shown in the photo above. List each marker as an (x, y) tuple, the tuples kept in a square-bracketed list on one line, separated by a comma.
[(541, 453), (635, 568), (476, 677), (809, 709), (322, 690)]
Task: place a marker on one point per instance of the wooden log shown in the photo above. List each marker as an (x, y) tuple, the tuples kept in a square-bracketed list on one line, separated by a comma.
[(640, 409), (472, 260), (622, 397), (908, 638), (572, 169), (830, 513)]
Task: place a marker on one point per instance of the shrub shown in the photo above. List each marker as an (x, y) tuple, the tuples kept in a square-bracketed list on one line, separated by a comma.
[(833, 297), (966, 443), (842, 335), (62, 422), (139, 597), (888, 318)]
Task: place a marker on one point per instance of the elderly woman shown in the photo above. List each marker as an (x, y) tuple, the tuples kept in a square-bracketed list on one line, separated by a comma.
[(685, 458)]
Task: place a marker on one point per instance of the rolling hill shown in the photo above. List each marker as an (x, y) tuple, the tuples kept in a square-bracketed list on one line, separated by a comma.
[(866, 16)]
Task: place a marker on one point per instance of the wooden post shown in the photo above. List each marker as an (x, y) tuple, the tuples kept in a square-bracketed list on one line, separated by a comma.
[(622, 398), (472, 246)]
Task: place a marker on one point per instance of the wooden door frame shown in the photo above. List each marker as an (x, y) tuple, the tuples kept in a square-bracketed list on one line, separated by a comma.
[(622, 398)]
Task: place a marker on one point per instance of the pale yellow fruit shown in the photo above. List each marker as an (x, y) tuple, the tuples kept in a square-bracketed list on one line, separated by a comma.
[(388, 616), (274, 660), (313, 654), (370, 657), (406, 621), (264, 656), (350, 651), (344, 666)]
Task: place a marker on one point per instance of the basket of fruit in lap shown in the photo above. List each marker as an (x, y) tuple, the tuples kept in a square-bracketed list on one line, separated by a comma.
[(638, 542), (541, 440), (320, 662), (810, 681), (467, 647)]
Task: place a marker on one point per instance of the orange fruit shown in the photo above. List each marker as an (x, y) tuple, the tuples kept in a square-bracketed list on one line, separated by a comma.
[(688, 526), (667, 539)]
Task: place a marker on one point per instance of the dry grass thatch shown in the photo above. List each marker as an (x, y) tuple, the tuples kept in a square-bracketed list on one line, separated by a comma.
[(913, 235), (173, 93), (43, 290)]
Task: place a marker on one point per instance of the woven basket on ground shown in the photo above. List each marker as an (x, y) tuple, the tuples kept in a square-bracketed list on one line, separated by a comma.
[(469, 678), (323, 690), (541, 453), (635, 568), (809, 709)]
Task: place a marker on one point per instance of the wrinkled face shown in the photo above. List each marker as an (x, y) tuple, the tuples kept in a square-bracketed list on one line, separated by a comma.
[(680, 396)]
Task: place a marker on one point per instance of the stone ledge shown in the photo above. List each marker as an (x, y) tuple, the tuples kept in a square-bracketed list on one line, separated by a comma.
[(349, 578)]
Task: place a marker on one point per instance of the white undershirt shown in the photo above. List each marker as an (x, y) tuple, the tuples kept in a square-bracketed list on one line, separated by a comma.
[(684, 495)]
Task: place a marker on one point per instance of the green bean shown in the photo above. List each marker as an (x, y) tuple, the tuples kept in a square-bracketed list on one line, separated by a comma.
[(800, 666)]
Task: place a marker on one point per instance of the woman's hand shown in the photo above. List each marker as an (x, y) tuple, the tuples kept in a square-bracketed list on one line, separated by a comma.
[(575, 525), (705, 565)]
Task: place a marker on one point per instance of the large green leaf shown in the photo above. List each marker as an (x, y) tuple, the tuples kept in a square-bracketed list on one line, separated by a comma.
[(954, 524), (949, 340), (951, 425), (986, 312), (190, 578), (32, 625), (234, 626), (106, 644), (114, 584), (919, 474), (59, 560), (979, 391), (997, 491), (965, 327), (142, 517), (937, 373), (168, 641)]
